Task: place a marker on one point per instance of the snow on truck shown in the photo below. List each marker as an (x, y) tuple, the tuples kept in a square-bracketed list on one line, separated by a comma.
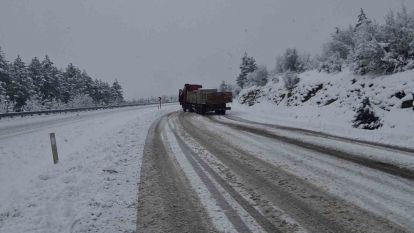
[(195, 99)]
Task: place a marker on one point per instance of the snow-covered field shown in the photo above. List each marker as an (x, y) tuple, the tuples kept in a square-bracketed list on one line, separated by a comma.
[(93, 188), (271, 105)]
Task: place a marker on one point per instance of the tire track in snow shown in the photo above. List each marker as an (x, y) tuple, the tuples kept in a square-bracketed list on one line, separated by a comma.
[(325, 135), (313, 208), (196, 162), (166, 202), (378, 165)]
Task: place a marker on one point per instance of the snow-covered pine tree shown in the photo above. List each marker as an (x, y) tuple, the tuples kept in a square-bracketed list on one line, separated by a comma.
[(72, 77), (4, 79), (3, 63), (117, 93), (35, 73), (21, 85), (86, 83), (50, 90), (398, 35), (247, 66), (102, 93), (368, 54), (362, 19), (365, 117)]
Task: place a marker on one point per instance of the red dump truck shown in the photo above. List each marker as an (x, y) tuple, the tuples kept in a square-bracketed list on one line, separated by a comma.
[(194, 98)]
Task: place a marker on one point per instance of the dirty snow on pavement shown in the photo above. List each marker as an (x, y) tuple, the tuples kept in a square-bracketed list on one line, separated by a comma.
[(387, 155), (93, 188), (377, 192)]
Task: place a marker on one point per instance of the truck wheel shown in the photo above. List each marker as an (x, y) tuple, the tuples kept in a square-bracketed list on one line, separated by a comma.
[(223, 112), (203, 109)]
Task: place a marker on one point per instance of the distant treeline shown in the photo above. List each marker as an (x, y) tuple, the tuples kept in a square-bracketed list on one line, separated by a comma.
[(40, 85), (366, 47)]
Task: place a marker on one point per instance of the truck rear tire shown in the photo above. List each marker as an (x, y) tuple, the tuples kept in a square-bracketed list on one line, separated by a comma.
[(203, 109)]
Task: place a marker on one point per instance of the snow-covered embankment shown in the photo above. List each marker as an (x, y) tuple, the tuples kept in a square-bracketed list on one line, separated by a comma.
[(94, 185), (328, 103)]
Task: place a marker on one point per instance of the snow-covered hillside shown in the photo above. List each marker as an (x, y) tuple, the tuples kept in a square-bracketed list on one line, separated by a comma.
[(329, 102)]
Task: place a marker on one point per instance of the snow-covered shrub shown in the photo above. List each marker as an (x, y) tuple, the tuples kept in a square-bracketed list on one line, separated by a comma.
[(33, 104), (312, 92), (331, 64), (290, 61), (81, 100), (251, 97), (365, 117), (290, 79), (259, 77)]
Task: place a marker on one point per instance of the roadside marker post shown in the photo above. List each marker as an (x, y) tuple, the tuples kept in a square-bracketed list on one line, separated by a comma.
[(54, 148)]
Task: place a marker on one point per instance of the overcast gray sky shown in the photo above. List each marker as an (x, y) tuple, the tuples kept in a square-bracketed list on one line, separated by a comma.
[(153, 47)]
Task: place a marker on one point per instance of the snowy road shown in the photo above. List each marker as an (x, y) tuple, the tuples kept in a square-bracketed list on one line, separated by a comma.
[(224, 174), (196, 174)]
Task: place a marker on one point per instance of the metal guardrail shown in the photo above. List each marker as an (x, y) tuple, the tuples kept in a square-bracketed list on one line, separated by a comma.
[(47, 112)]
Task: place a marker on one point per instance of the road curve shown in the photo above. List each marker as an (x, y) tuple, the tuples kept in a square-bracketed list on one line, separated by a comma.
[(206, 174)]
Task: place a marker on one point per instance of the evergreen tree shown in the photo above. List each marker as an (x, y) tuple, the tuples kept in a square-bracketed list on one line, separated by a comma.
[(117, 95), (21, 86), (86, 83), (398, 35), (3, 63), (362, 19), (50, 88), (102, 92), (247, 66), (4, 80), (41, 85), (368, 54), (365, 117), (35, 73), (71, 85)]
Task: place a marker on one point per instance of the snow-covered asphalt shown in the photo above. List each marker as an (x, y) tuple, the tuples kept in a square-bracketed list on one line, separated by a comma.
[(221, 174), (93, 188)]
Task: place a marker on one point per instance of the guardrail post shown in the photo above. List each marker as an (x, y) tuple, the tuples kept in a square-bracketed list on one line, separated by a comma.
[(54, 148)]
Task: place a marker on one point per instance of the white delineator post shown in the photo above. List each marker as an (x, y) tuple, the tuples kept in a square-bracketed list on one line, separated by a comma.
[(54, 148)]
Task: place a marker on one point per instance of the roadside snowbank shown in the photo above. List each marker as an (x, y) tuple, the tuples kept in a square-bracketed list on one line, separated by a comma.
[(94, 185), (328, 102)]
